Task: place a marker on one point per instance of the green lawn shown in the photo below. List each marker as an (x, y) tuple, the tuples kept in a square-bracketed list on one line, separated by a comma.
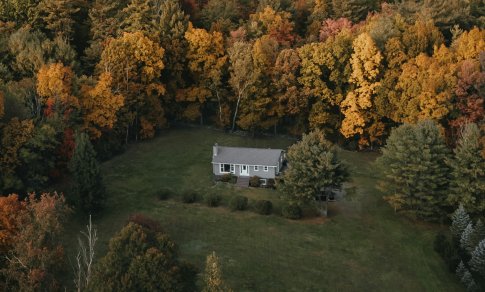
[(363, 246)]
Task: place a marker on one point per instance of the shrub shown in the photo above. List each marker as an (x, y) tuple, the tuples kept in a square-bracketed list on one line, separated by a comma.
[(238, 203), (255, 182), (145, 222), (163, 194), (270, 183), (212, 200), (292, 212), (226, 177), (263, 207), (189, 197)]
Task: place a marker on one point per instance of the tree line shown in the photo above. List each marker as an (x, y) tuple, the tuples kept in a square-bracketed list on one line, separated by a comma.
[(122, 70)]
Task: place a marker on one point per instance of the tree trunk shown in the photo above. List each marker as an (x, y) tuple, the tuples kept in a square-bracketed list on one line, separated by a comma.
[(235, 113)]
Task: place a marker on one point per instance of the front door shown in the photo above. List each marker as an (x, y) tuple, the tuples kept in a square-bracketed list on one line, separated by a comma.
[(244, 170)]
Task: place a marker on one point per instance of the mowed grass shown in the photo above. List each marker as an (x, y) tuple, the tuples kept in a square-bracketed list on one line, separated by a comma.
[(362, 246)]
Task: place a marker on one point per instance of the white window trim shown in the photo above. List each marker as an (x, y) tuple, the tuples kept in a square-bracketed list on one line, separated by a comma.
[(266, 168), (221, 168), (232, 168), (256, 168)]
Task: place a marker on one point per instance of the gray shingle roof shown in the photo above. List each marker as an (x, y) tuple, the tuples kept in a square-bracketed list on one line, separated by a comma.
[(250, 156)]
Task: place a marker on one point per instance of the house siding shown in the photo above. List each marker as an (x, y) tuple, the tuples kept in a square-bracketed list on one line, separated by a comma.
[(271, 173)]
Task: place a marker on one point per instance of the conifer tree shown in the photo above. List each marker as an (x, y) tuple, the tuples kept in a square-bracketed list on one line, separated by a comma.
[(414, 169), (466, 240), (477, 262), (469, 282), (313, 165), (468, 172), (139, 16), (86, 172), (478, 232), (459, 221), (461, 270)]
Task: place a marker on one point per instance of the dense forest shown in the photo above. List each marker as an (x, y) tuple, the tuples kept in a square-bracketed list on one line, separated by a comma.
[(120, 71), (79, 80)]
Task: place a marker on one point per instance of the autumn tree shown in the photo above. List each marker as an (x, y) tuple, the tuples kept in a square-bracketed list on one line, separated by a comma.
[(258, 109), (36, 257), (426, 85), (213, 281), (468, 172), (320, 11), (85, 169), (15, 135), (135, 63), (100, 105), (217, 10), (354, 10), (54, 85), (358, 106), (313, 166), (105, 19), (325, 69), (206, 63), (243, 75), (143, 260), (276, 24), (291, 104), (414, 169)]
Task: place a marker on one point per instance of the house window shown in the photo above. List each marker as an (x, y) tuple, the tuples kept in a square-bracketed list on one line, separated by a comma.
[(233, 171), (256, 168), (265, 168), (225, 168)]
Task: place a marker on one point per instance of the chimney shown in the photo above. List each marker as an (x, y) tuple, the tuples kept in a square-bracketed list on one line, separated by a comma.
[(215, 149)]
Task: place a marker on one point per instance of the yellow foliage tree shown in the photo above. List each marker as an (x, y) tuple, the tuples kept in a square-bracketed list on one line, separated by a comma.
[(426, 85), (135, 63), (100, 105), (358, 106), (469, 44), (54, 85), (276, 24), (206, 61)]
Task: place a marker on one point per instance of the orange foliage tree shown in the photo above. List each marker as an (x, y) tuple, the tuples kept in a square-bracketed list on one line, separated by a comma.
[(100, 105), (54, 85), (36, 255)]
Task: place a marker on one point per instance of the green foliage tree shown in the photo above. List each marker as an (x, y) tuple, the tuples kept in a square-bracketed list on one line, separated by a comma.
[(466, 240), (468, 172), (86, 172), (140, 259), (58, 16), (139, 16), (479, 232), (355, 10), (459, 221), (414, 169), (313, 165), (477, 262)]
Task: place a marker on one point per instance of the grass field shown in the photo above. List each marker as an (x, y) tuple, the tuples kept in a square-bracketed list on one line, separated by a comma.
[(363, 246)]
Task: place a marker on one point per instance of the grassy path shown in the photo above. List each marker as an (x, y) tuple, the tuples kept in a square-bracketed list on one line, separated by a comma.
[(363, 246)]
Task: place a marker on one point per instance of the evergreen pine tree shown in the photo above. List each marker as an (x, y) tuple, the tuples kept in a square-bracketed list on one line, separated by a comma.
[(461, 270), (459, 221), (468, 172), (414, 168), (172, 25), (466, 240), (469, 282), (477, 262), (139, 16), (478, 233), (87, 176), (313, 165)]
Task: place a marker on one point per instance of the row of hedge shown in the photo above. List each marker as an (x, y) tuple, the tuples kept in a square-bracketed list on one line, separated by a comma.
[(254, 181), (236, 203)]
